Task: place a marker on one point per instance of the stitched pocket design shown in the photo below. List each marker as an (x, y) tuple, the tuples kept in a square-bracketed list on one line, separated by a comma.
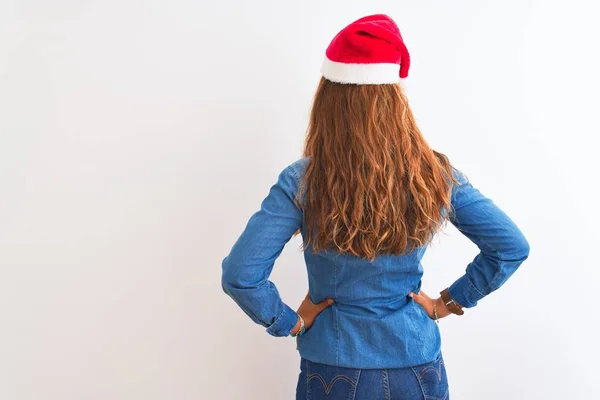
[(335, 382), (330, 386), (433, 380)]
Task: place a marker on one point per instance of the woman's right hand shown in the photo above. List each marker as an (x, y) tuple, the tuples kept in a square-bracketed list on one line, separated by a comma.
[(427, 303), (309, 312)]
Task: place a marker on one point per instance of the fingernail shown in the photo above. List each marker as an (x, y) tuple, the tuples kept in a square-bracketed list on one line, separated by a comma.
[(329, 301), (411, 294)]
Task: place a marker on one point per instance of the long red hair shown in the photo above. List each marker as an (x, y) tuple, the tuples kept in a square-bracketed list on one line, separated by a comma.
[(372, 184)]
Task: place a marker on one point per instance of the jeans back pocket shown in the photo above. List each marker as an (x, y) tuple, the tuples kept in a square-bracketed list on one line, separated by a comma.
[(334, 383), (433, 379)]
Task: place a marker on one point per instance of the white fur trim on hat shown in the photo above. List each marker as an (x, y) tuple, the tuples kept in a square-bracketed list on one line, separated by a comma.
[(361, 74)]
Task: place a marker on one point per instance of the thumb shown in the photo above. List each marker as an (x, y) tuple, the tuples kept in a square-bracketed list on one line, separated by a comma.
[(417, 297), (324, 304)]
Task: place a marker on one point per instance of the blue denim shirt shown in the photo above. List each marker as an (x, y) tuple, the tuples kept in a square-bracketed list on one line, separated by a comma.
[(373, 323)]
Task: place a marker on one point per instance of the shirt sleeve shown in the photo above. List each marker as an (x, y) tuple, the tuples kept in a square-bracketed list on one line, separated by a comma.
[(503, 247), (246, 270)]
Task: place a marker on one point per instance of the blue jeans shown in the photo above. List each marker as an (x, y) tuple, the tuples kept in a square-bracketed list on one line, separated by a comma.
[(422, 382)]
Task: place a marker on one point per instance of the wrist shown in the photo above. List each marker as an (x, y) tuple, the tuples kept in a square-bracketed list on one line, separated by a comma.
[(296, 327), (442, 310), (450, 304), (299, 328)]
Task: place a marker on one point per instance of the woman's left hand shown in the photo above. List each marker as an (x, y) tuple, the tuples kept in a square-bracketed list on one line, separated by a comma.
[(427, 303)]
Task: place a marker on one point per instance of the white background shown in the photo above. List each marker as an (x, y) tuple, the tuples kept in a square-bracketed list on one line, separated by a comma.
[(137, 138)]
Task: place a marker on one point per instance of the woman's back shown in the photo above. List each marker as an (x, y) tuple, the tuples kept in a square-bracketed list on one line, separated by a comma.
[(373, 323)]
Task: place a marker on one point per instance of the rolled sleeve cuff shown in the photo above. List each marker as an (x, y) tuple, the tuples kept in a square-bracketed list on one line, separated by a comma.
[(465, 293), (284, 324)]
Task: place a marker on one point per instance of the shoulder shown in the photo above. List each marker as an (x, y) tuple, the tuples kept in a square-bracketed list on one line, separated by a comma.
[(460, 184), (299, 166), (463, 192), (296, 169), (290, 177), (459, 187), (459, 176)]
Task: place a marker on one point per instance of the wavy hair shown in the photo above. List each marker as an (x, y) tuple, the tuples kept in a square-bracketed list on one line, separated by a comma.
[(372, 184)]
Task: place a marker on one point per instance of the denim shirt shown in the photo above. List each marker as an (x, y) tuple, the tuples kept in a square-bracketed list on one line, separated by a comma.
[(373, 323)]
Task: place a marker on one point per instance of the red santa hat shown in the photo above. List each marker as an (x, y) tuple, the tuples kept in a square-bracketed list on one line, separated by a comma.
[(369, 51)]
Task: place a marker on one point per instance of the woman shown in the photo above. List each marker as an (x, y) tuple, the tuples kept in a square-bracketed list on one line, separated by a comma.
[(368, 196)]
